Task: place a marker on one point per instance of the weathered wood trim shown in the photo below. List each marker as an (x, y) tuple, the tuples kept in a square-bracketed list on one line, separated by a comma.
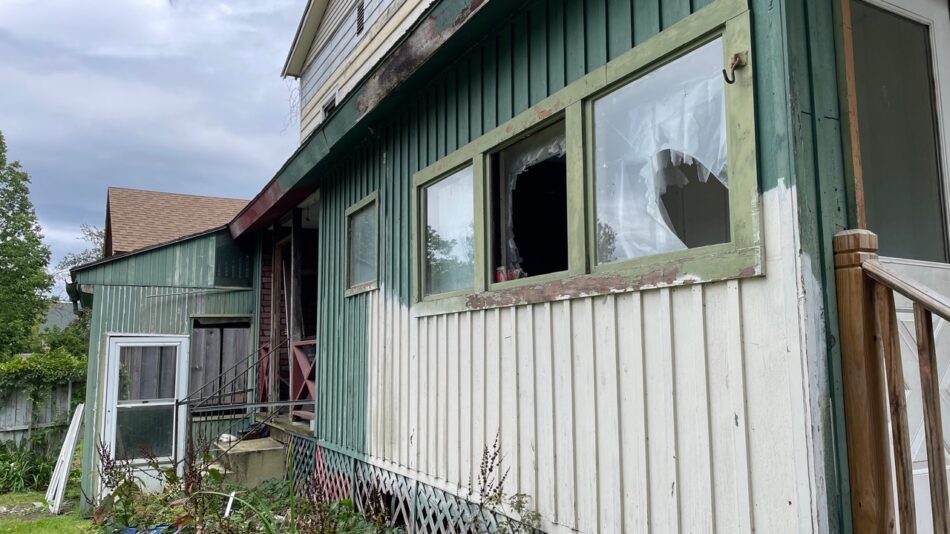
[(848, 102), (933, 424), (888, 336), (740, 258), (865, 405), (351, 290)]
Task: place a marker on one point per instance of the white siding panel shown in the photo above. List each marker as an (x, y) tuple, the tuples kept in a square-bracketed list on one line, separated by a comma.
[(668, 410)]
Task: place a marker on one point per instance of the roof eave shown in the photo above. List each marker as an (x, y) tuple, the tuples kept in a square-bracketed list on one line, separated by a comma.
[(428, 34), (303, 39)]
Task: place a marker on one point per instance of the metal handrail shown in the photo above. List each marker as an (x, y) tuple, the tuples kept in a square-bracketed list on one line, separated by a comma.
[(187, 398)]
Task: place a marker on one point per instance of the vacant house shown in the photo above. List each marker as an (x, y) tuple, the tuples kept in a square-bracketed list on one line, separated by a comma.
[(604, 232)]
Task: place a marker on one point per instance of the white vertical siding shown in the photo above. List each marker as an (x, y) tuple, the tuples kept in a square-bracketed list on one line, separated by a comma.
[(670, 410)]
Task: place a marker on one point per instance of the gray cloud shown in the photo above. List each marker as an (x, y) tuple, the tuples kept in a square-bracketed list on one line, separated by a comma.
[(181, 96)]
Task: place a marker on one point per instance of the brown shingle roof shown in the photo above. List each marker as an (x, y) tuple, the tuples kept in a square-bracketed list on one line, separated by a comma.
[(136, 219)]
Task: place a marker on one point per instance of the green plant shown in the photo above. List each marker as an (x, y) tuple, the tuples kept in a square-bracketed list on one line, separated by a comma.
[(25, 466), (24, 258), (38, 373), (514, 512)]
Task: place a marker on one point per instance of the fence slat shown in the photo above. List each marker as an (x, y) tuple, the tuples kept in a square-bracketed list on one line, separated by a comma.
[(887, 334), (930, 395)]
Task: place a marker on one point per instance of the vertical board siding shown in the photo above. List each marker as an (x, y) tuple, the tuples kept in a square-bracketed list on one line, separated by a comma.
[(545, 45), (144, 311), (670, 410)]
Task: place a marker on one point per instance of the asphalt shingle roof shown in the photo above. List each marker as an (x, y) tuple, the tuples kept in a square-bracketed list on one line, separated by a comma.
[(137, 219)]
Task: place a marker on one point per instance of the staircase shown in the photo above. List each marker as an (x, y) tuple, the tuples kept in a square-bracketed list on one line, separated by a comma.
[(894, 382), (227, 406)]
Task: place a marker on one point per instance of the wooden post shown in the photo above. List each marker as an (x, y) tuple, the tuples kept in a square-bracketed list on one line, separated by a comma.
[(865, 400)]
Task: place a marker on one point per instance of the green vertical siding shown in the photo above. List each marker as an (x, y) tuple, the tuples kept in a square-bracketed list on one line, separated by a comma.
[(543, 46), (203, 261), (156, 292)]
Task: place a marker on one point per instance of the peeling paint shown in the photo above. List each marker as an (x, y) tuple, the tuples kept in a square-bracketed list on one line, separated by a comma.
[(432, 33)]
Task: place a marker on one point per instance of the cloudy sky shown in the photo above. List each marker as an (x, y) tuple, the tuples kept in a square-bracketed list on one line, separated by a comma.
[(168, 95)]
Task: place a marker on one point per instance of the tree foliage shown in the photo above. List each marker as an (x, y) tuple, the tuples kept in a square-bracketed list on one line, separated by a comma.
[(24, 280), (94, 237)]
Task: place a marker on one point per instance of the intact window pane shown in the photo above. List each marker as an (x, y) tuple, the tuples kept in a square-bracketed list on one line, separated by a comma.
[(144, 428), (362, 261), (661, 173), (450, 234), (529, 209), (146, 373)]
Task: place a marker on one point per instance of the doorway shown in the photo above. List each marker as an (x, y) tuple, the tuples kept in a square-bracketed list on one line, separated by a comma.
[(145, 376), (902, 82)]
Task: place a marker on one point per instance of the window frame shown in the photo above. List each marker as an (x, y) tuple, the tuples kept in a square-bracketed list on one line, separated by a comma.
[(741, 257), (370, 201), (423, 181)]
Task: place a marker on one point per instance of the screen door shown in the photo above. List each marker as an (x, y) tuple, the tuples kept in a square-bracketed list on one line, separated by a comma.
[(145, 377)]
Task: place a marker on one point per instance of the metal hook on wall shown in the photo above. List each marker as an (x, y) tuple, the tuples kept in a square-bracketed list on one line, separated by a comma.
[(737, 62)]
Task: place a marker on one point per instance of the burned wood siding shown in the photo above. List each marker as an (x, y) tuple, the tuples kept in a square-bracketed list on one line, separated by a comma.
[(669, 410), (267, 288), (340, 57), (543, 46)]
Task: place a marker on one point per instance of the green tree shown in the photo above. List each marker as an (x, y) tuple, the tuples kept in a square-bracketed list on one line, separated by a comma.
[(94, 238), (24, 280)]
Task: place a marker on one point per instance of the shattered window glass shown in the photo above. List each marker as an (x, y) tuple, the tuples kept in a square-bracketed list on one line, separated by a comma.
[(660, 160), (529, 210), (450, 233)]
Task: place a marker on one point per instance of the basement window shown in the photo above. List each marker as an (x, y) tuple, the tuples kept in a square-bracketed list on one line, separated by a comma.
[(361, 242), (529, 206), (449, 242), (661, 173)]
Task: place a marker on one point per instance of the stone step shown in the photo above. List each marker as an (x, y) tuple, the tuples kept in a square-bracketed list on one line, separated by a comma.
[(253, 461)]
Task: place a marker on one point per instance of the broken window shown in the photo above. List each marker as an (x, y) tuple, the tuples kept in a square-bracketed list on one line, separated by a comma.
[(361, 240), (449, 222), (661, 173), (529, 208)]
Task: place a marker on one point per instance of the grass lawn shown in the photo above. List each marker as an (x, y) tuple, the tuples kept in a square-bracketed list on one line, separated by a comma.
[(19, 516)]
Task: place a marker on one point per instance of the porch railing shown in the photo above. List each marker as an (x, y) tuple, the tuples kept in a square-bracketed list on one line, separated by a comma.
[(874, 396), (303, 363)]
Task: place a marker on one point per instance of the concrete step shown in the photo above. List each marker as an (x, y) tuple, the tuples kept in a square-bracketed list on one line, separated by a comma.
[(253, 461)]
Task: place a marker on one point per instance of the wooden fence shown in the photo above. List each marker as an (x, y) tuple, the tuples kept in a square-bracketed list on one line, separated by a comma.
[(20, 416)]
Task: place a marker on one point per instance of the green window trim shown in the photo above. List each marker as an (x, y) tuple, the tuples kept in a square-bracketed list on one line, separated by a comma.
[(369, 200), (741, 257)]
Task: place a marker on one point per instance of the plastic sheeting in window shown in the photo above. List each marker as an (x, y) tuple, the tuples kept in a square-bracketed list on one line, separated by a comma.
[(643, 132), (548, 143)]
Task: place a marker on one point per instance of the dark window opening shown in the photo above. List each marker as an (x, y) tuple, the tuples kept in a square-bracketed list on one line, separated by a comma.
[(360, 17), (697, 205), (529, 215), (329, 106)]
